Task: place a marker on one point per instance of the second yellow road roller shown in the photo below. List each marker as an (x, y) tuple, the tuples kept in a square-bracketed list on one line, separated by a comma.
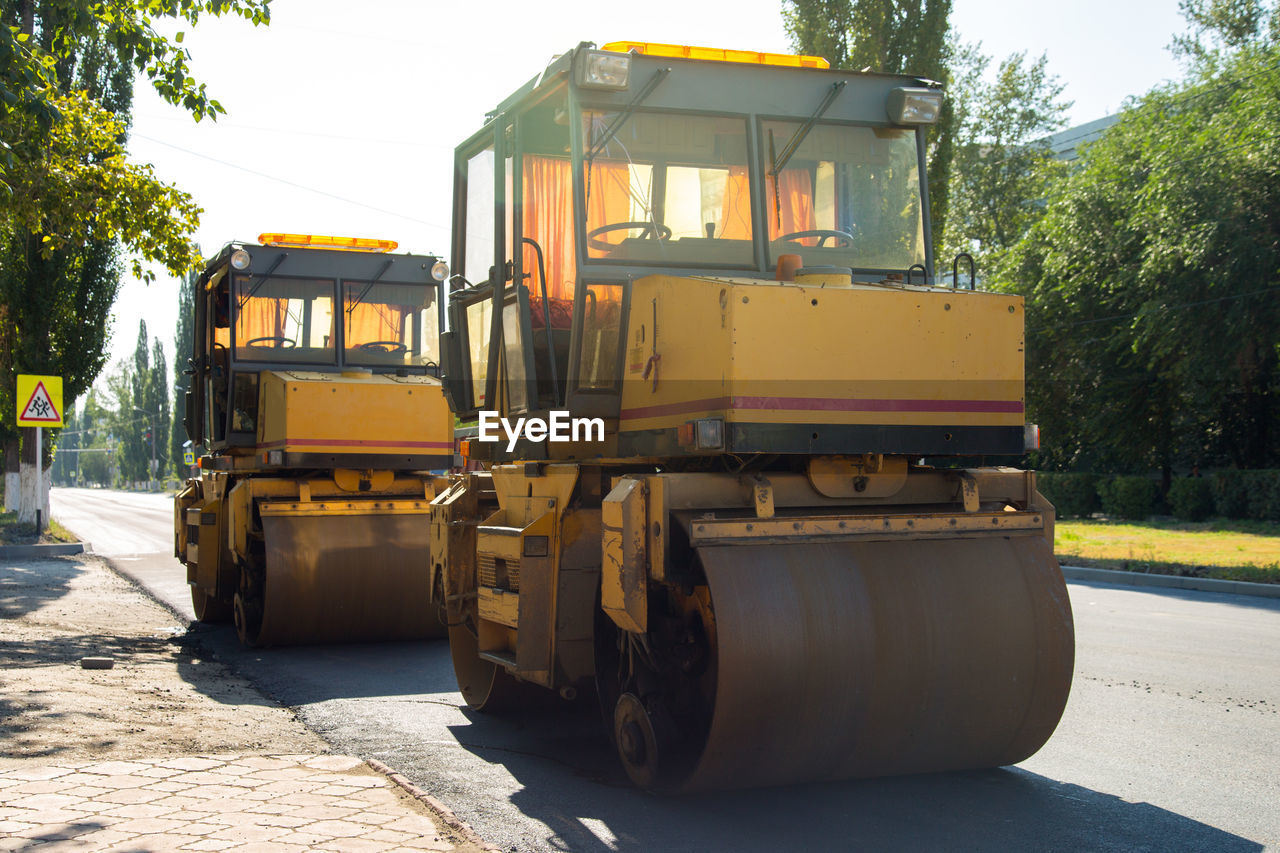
[(737, 442), (316, 403)]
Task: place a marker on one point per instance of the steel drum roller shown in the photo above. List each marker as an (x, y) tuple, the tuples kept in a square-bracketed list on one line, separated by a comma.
[(346, 578), (864, 659)]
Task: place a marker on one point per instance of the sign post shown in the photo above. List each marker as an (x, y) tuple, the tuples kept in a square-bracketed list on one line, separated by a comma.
[(39, 405)]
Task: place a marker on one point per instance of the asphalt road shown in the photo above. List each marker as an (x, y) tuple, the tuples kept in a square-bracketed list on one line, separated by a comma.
[(1171, 739)]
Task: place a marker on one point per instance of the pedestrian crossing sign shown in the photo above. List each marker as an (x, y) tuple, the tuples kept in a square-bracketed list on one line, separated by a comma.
[(188, 457), (39, 401)]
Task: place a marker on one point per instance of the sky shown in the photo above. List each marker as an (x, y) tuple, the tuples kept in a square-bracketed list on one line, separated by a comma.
[(343, 122)]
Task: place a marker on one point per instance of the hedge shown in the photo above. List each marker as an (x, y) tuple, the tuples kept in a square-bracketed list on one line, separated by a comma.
[(1128, 497), (1246, 494), (1191, 499), (1072, 494)]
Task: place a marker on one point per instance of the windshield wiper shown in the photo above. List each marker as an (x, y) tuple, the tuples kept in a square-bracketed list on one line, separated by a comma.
[(354, 302), (244, 300), (616, 125), (780, 162)]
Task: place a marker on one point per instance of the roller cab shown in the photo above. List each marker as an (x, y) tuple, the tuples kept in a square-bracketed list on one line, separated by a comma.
[(783, 546), (316, 400)]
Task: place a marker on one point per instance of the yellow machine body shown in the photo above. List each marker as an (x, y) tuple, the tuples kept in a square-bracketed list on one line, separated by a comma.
[(309, 520), (305, 412), (789, 555), (757, 352)]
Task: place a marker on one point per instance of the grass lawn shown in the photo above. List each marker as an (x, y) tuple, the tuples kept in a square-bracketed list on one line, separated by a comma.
[(13, 533), (1234, 550)]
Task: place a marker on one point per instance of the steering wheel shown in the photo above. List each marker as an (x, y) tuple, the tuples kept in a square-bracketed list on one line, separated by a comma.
[(271, 340), (661, 232), (390, 347), (823, 234)]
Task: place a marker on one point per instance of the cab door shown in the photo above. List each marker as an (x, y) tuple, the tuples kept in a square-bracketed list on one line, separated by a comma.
[(487, 352)]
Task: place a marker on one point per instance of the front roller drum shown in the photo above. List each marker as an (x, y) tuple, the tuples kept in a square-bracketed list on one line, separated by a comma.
[(845, 660), (341, 578)]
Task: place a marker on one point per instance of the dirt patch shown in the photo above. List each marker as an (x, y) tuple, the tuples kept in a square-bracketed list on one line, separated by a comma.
[(162, 697)]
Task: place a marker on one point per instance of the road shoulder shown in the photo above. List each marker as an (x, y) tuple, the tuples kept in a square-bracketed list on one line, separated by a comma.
[(167, 748)]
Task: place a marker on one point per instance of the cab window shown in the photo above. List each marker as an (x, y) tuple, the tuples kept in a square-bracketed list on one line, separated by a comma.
[(388, 324), (284, 320), (848, 196), (667, 188)]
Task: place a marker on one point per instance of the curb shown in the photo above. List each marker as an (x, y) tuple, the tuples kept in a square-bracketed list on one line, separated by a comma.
[(1259, 590), (28, 552), (442, 811)]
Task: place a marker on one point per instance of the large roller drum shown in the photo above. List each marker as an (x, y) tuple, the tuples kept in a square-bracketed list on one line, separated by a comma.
[(348, 578), (847, 660)]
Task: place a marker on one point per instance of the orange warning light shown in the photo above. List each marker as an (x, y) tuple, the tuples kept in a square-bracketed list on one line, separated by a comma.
[(717, 54), (316, 241)]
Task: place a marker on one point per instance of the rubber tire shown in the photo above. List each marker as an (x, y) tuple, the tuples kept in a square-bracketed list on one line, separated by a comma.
[(209, 610)]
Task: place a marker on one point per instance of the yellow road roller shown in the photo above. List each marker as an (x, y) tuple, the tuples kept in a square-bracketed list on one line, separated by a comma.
[(316, 401), (738, 441)]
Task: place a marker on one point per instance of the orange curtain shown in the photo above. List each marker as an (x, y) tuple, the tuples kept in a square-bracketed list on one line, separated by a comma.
[(260, 317), (610, 200), (735, 217), (794, 210), (548, 219), (371, 321)]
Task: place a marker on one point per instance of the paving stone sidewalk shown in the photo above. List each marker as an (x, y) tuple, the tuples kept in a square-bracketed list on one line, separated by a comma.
[(219, 802)]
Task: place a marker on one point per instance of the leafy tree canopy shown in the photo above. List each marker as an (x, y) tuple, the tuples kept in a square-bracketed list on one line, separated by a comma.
[(1153, 313)]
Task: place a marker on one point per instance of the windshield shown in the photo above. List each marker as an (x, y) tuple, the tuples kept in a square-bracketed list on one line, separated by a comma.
[(667, 188), (848, 196), (389, 324), (284, 319)]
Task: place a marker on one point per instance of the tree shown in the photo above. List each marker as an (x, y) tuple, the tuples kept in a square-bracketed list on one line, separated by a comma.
[(157, 403), (1003, 167), (39, 41), (126, 426), (95, 462), (64, 460), (182, 349), (894, 37), (68, 197), (1153, 319)]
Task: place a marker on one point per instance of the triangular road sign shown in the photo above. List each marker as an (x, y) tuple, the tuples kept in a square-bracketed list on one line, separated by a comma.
[(40, 408)]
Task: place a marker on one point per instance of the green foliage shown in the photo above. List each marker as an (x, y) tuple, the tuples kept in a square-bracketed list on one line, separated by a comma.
[(182, 348), (96, 466), (1190, 498), (69, 198), (76, 186), (1247, 494), (1222, 25), (1153, 323), (32, 49), (893, 37), (1128, 497), (1072, 494), (1003, 167)]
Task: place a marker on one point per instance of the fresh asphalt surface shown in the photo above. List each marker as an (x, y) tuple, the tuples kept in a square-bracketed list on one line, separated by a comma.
[(1171, 739)]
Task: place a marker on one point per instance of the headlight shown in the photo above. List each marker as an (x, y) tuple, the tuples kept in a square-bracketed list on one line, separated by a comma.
[(914, 106), (440, 271), (598, 70), (240, 260)]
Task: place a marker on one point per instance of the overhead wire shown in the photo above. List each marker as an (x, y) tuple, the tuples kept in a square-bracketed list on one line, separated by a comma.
[(223, 125), (289, 183)]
